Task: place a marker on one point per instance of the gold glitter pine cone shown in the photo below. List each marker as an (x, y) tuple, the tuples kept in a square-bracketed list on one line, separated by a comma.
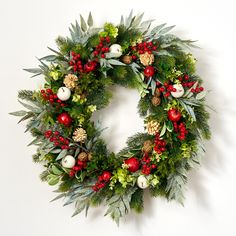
[(70, 81), (152, 127), (146, 59), (80, 135)]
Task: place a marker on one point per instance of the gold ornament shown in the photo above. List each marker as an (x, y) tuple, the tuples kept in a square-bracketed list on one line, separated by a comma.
[(157, 92), (127, 59), (147, 146), (156, 101), (83, 156), (152, 127), (80, 135), (146, 59), (70, 81)]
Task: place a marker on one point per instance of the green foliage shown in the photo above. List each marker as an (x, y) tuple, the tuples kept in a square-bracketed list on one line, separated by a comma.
[(137, 201), (119, 205)]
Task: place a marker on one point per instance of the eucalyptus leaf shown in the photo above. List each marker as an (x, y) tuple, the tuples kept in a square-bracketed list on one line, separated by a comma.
[(34, 70), (201, 95), (18, 113), (163, 130), (90, 20), (153, 86), (116, 62), (165, 30), (53, 179), (62, 154), (56, 170), (83, 24)]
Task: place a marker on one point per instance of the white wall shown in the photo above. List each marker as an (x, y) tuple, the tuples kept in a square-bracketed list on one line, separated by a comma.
[(26, 28)]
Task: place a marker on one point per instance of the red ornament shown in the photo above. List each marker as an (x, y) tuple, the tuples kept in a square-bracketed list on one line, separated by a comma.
[(133, 164), (64, 119), (106, 175), (174, 115), (149, 71)]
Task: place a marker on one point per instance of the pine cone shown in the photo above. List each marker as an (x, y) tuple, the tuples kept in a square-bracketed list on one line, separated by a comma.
[(147, 146), (157, 92), (152, 127), (146, 59), (83, 156), (79, 135), (70, 81), (156, 101), (127, 59)]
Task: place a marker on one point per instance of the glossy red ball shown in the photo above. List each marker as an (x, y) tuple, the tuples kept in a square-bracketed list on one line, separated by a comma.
[(149, 71), (133, 164), (174, 115), (64, 119)]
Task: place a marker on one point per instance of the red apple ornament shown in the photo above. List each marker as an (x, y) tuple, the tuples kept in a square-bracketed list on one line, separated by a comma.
[(64, 119), (133, 164), (174, 115), (149, 71)]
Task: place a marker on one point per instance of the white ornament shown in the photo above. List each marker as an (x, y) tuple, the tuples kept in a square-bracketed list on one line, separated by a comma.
[(68, 161), (142, 182), (179, 91), (63, 93), (116, 50)]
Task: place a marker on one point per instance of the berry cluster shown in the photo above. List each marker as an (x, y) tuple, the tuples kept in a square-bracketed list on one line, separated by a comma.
[(76, 62), (143, 47), (147, 166), (48, 95), (186, 83), (102, 47), (160, 144), (57, 139), (180, 129), (78, 167), (166, 88), (103, 179)]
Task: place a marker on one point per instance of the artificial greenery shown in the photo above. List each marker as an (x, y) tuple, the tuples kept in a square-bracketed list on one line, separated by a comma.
[(154, 62)]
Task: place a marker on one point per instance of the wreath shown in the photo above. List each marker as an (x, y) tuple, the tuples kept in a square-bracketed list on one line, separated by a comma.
[(78, 80)]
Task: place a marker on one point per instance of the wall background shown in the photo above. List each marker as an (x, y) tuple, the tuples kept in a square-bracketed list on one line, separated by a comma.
[(27, 27)]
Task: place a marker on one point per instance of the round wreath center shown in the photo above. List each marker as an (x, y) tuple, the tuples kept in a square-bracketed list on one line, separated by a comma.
[(120, 119)]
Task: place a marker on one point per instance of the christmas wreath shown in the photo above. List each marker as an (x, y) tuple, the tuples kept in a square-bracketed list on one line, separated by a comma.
[(78, 79)]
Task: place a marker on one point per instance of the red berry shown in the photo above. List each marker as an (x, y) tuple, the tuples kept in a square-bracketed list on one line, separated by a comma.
[(72, 173), (103, 56), (201, 88), (106, 175), (186, 77), (153, 166)]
